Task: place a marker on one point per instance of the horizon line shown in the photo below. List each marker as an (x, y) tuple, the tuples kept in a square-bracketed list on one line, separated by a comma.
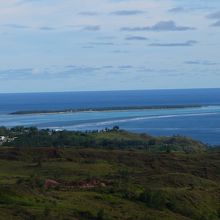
[(116, 90)]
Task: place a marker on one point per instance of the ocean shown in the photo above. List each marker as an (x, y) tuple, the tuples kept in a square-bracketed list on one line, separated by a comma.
[(201, 123)]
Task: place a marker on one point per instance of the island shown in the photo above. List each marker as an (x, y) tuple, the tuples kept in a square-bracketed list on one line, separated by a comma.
[(118, 108)]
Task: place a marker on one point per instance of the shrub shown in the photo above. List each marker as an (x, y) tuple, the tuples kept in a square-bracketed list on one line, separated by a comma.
[(100, 215), (153, 199)]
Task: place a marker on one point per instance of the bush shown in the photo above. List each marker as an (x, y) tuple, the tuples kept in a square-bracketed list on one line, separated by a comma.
[(47, 211), (100, 215), (153, 199)]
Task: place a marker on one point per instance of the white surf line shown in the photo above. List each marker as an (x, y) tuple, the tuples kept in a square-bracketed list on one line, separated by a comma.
[(137, 119)]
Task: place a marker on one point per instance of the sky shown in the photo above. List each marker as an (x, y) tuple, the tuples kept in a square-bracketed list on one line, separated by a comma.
[(95, 45)]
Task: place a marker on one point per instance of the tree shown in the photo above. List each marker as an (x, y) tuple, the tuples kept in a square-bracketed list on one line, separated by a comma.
[(115, 128)]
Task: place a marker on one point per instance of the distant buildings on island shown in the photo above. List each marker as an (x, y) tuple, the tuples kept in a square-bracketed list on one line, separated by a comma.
[(4, 139)]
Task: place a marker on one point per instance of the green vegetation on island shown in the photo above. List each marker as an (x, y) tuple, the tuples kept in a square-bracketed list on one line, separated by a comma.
[(106, 175), (114, 138), (123, 108)]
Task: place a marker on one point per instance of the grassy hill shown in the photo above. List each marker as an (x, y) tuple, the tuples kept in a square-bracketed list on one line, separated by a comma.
[(110, 184), (108, 139)]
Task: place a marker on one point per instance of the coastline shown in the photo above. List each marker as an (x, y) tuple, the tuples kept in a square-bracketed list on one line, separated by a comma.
[(33, 112)]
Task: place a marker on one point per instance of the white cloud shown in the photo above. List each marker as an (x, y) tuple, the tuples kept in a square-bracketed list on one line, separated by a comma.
[(42, 33)]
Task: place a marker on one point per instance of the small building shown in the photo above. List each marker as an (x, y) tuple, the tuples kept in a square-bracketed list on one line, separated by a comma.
[(2, 138)]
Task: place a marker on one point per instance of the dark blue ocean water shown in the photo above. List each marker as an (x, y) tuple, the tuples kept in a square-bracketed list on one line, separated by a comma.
[(60, 101), (199, 123)]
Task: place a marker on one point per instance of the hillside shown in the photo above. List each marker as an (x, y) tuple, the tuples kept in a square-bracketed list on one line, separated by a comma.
[(85, 183), (114, 138)]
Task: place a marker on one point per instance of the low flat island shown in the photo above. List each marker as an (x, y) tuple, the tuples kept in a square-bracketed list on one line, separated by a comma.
[(72, 110)]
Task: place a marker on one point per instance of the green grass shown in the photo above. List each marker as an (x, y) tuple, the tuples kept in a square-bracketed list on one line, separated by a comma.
[(138, 184)]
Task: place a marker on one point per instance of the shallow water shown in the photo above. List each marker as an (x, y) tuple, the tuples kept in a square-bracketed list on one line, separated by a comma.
[(200, 123)]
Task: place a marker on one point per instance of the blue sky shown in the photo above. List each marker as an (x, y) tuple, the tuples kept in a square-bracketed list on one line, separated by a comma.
[(76, 45)]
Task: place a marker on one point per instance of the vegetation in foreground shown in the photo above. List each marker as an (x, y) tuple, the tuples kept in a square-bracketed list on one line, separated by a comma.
[(104, 184)]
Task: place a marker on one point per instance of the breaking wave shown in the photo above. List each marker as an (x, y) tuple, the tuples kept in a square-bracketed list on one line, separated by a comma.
[(125, 120)]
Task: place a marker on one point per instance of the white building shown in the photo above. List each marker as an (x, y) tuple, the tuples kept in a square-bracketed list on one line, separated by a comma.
[(2, 138)]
